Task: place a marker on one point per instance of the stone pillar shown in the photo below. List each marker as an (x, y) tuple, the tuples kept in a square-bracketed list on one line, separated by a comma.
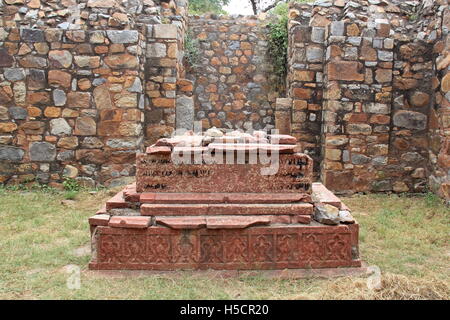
[(356, 117), (161, 79), (305, 80), (439, 179)]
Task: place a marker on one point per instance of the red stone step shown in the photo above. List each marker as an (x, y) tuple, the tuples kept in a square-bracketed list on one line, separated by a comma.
[(102, 210), (117, 202), (235, 222), (155, 209), (130, 193), (252, 147), (303, 219), (282, 139), (323, 195), (149, 197), (129, 222), (182, 222), (158, 150), (190, 150), (99, 220)]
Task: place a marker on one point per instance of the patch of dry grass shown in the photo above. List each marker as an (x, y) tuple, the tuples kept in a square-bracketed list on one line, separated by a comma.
[(406, 237)]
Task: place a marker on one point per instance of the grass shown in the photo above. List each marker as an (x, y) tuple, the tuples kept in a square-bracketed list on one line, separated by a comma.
[(41, 234)]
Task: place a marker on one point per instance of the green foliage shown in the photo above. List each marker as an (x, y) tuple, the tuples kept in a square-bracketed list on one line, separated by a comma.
[(277, 50), (71, 185), (207, 6), (191, 50), (70, 195), (24, 187)]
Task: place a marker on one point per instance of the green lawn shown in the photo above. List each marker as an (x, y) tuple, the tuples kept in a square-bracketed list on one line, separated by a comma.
[(406, 236)]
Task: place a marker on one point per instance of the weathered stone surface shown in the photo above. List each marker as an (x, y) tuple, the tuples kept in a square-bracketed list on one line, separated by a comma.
[(18, 113), (123, 36), (70, 171), (383, 75), (4, 115), (203, 253), (129, 222), (102, 97), (216, 172), (85, 126), (185, 113), (165, 31), (60, 59), (14, 74), (410, 120), (42, 151), (344, 70), (326, 214), (32, 35), (359, 128), (59, 78), (9, 153), (59, 97), (6, 60), (68, 142), (31, 62), (122, 61), (445, 83), (346, 217), (77, 99), (7, 127), (36, 79), (376, 108), (419, 99), (156, 50), (60, 127)]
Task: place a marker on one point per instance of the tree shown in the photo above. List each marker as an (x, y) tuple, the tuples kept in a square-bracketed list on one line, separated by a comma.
[(207, 6), (264, 5)]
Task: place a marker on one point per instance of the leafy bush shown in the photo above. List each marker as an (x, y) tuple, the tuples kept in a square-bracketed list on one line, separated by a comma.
[(277, 50), (191, 50), (71, 184)]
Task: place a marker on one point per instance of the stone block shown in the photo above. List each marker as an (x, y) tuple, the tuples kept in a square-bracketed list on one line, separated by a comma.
[(225, 209), (184, 112), (129, 222), (410, 120), (85, 126), (42, 151), (9, 153), (165, 31), (156, 50), (123, 36), (59, 127), (32, 35), (225, 249), (221, 197), (235, 222), (344, 70)]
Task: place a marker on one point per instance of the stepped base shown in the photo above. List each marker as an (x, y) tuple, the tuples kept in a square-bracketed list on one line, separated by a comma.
[(273, 247)]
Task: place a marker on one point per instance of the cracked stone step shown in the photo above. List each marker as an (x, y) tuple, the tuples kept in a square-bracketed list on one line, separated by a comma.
[(208, 198), (129, 222), (225, 209)]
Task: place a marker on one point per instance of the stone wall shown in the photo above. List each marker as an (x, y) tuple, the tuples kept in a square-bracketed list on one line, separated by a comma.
[(69, 103), (439, 125), (86, 84), (72, 86), (375, 85), (305, 79), (232, 80)]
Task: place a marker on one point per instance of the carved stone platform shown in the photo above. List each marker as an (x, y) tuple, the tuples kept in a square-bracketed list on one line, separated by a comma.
[(222, 216), (273, 247)]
